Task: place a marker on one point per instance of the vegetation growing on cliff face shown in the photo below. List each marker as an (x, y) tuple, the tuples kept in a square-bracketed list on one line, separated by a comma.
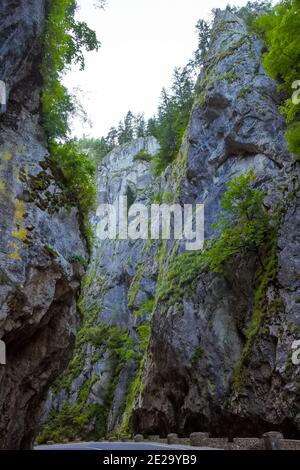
[(173, 116), (82, 418), (78, 173), (281, 30), (243, 226), (264, 308), (78, 179), (96, 149), (65, 40)]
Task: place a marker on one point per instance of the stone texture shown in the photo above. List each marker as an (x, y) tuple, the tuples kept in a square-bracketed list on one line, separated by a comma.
[(172, 438), (197, 438), (235, 126), (247, 444), (272, 440), (112, 271), (39, 283)]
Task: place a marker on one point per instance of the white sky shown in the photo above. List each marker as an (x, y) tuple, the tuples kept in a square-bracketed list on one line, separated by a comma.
[(142, 41)]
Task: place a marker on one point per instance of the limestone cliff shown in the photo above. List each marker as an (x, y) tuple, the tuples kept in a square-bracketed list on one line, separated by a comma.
[(158, 353), (40, 238), (220, 354), (108, 345)]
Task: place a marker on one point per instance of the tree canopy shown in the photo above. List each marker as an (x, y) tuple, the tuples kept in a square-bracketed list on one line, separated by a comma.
[(65, 41), (281, 32)]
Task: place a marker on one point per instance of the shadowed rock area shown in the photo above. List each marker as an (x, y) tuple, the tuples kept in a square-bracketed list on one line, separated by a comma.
[(204, 371), (160, 349), (39, 237)]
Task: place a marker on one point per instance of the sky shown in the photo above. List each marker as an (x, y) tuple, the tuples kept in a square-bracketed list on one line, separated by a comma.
[(141, 43)]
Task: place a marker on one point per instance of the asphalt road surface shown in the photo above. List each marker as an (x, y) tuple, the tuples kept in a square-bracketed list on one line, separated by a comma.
[(116, 446)]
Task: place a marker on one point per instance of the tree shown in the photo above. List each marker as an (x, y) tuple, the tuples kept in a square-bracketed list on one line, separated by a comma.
[(281, 31), (126, 129), (65, 39), (129, 126), (243, 225), (164, 104), (78, 173), (204, 31), (152, 127), (173, 116), (112, 137), (96, 149), (140, 126), (182, 86)]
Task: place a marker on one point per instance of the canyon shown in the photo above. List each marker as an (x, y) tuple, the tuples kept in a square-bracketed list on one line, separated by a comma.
[(138, 341)]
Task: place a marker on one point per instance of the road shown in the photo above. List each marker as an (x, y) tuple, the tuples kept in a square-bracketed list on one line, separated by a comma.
[(111, 446)]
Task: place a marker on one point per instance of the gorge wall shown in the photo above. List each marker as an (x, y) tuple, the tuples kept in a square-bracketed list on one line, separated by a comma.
[(163, 346), (40, 238), (165, 351)]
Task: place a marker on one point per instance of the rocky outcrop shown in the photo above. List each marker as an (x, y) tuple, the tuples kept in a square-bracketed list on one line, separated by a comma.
[(108, 352), (40, 242), (220, 356), (157, 355)]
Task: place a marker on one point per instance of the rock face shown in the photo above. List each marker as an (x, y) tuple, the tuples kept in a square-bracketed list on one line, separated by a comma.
[(204, 370), (40, 236), (97, 382), (216, 355)]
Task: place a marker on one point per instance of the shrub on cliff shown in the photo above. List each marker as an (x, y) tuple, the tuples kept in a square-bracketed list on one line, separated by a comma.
[(65, 39), (243, 226), (281, 30), (78, 178)]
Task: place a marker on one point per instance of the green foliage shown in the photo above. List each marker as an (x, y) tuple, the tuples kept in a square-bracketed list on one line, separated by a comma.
[(135, 285), (243, 226), (244, 91), (173, 117), (64, 42), (133, 392), (252, 10), (197, 355), (95, 149), (204, 33), (293, 138), (142, 155), (79, 259), (145, 310), (126, 130), (78, 177), (281, 30), (267, 275), (71, 421), (144, 331), (135, 388)]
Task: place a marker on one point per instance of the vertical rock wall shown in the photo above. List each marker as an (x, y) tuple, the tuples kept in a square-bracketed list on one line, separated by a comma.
[(214, 353), (40, 238)]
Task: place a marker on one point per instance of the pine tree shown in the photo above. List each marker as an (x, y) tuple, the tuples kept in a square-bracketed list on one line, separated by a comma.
[(204, 31), (140, 126), (112, 137)]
